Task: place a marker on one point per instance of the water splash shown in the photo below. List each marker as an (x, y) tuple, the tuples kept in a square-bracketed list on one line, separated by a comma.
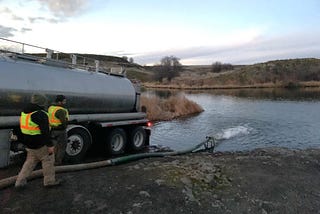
[(232, 132)]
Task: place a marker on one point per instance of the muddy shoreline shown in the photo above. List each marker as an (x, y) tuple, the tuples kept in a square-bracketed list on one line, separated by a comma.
[(274, 180)]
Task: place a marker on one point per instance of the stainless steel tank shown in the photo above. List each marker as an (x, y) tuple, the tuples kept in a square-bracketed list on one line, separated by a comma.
[(86, 92)]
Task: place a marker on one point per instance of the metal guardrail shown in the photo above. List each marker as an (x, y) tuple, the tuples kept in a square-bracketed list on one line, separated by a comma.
[(53, 57)]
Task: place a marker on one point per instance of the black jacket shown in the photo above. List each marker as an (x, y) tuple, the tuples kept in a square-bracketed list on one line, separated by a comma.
[(40, 118)]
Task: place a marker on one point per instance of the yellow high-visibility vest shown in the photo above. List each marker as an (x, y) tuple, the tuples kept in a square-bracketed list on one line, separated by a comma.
[(53, 120), (27, 126)]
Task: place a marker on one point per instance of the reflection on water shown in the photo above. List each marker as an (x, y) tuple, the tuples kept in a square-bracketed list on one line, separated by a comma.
[(246, 119), (272, 93)]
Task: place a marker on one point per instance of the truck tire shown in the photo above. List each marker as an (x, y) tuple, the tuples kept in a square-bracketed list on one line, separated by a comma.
[(79, 141), (137, 139), (116, 141)]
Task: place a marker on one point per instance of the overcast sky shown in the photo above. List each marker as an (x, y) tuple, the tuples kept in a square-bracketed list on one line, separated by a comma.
[(196, 31)]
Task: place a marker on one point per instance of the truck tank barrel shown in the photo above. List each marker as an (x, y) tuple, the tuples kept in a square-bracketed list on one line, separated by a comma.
[(86, 92), (11, 121)]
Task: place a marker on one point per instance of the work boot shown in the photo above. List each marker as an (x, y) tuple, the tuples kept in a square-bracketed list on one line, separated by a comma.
[(55, 183), (21, 185)]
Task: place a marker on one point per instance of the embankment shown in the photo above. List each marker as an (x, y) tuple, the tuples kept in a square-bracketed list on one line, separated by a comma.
[(264, 181)]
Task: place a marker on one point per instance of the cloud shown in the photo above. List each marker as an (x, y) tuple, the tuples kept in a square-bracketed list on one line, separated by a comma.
[(9, 12), (23, 30), (44, 19), (295, 45), (5, 10), (16, 18), (63, 8), (7, 31), (32, 19)]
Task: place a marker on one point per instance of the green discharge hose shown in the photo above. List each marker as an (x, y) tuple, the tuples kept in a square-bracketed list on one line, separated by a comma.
[(157, 154), (209, 143)]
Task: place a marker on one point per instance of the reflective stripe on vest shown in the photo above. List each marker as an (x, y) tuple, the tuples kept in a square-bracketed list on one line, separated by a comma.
[(53, 120), (27, 126)]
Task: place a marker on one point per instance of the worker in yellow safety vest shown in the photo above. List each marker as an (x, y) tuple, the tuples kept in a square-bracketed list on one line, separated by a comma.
[(58, 120), (34, 125)]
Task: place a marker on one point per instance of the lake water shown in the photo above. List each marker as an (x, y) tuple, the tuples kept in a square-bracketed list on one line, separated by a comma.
[(245, 119)]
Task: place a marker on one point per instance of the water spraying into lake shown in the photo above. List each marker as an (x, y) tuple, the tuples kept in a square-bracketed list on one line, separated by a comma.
[(246, 119), (231, 132)]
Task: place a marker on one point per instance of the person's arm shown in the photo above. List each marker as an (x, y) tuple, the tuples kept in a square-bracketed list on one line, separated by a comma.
[(41, 118), (62, 116), (51, 150)]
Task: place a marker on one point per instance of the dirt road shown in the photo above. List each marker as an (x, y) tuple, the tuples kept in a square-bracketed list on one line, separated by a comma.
[(261, 181)]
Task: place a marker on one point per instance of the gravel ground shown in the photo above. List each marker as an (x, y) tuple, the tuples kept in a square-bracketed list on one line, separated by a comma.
[(273, 180)]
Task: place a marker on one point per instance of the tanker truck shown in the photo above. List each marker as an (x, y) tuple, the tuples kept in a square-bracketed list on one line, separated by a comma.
[(104, 107)]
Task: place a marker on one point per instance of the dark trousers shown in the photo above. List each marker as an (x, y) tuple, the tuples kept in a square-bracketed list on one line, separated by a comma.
[(59, 138)]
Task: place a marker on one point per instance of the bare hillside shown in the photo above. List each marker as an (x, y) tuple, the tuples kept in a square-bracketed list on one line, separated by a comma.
[(279, 73)]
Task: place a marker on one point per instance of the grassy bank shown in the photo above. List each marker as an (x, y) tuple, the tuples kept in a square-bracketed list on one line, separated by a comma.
[(204, 87)]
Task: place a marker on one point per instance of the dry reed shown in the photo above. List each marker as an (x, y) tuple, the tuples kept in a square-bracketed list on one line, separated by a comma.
[(170, 108)]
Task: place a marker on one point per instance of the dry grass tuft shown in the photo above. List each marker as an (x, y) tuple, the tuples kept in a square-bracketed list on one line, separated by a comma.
[(167, 109)]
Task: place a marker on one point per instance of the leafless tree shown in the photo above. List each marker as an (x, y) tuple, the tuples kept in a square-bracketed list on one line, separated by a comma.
[(170, 67), (218, 67)]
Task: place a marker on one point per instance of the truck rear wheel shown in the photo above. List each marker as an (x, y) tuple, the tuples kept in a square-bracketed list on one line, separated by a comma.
[(79, 141), (137, 139), (116, 141)]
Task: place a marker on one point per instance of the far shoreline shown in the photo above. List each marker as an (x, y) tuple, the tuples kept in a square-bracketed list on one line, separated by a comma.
[(310, 84)]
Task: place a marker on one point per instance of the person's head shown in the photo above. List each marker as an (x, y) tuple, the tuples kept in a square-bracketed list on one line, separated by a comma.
[(39, 99), (61, 99)]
